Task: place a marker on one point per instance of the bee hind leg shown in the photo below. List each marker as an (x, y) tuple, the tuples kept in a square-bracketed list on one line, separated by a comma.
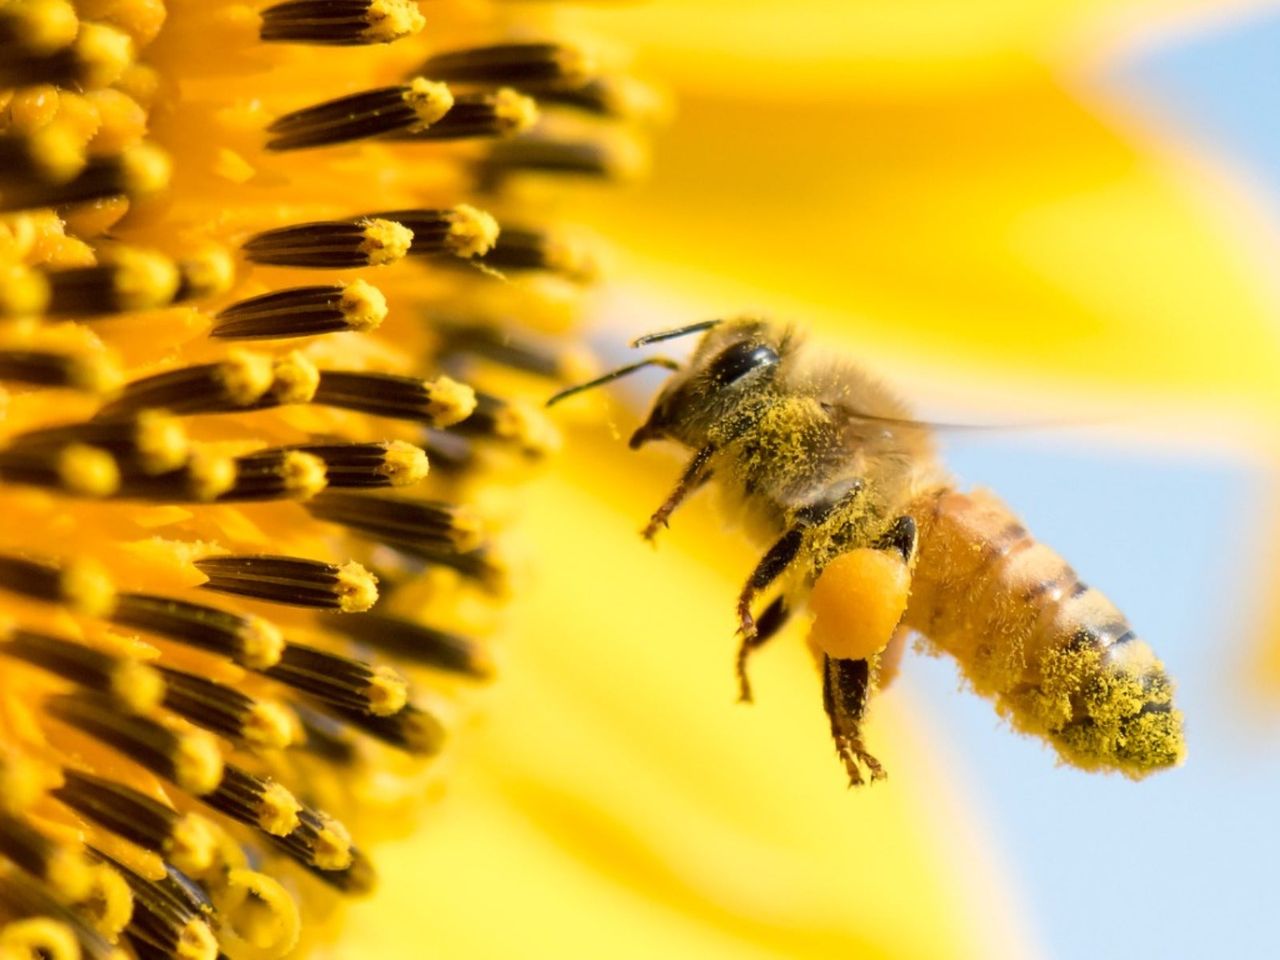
[(846, 687), (773, 619), (771, 565)]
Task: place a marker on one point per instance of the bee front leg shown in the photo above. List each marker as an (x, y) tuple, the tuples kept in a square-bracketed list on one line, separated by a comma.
[(770, 567), (846, 688), (694, 476)]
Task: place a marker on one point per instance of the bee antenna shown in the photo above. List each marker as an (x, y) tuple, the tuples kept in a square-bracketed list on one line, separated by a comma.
[(673, 334), (664, 362)]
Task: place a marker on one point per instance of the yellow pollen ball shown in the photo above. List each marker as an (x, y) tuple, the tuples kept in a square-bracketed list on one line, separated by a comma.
[(857, 604)]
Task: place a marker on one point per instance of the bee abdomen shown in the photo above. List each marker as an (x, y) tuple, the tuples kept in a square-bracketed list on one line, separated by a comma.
[(1056, 656)]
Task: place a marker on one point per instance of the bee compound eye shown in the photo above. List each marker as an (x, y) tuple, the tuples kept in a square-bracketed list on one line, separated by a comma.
[(739, 360)]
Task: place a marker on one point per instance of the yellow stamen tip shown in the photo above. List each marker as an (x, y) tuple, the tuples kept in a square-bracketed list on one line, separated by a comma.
[(363, 305), (467, 531), (22, 783), (269, 725), (294, 379), (38, 937), (197, 942), (105, 53), (67, 872), (304, 474), (388, 692), (278, 811), (210, 475), (332, 846), (208, 273), (451, 402), (192, 845), (385, 241), (97, 373), (262, 644), (357, 588), (137, 686), (86, 586), (161, 441), (58, 152), (404, 464), (514, 112), (88, 471), (146, 169), (392, 20), (110, 902), (429, 100), (23, 292), (423, 733), (44, 25), (144, 279), (197, 762), (245, 376), (472, 232)]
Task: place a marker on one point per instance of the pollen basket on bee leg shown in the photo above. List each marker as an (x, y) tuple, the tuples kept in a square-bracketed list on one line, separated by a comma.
[(857, 604)]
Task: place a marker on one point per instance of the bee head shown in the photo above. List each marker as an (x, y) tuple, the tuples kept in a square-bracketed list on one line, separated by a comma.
[(731, 362)]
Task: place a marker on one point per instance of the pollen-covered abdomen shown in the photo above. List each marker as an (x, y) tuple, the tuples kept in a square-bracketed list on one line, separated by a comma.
[(1056, 656)]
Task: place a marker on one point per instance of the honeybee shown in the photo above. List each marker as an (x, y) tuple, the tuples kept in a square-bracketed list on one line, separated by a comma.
[(863, 526)]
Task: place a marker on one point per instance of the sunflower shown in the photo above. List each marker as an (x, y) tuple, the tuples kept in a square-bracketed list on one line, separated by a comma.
[(264, 423)]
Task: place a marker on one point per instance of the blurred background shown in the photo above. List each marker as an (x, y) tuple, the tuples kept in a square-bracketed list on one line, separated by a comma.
[(1019, 213)]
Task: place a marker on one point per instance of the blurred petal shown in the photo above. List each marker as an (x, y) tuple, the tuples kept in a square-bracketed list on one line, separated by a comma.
[(1009, 226), (781, 49)]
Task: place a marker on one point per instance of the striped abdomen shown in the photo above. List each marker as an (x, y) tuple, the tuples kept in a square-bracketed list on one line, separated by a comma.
[(1056, 657)]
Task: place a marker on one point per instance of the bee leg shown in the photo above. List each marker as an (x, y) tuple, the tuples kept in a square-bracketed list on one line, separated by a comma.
[(694, 476), (773, 619), (776, 559), (846, 687)]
